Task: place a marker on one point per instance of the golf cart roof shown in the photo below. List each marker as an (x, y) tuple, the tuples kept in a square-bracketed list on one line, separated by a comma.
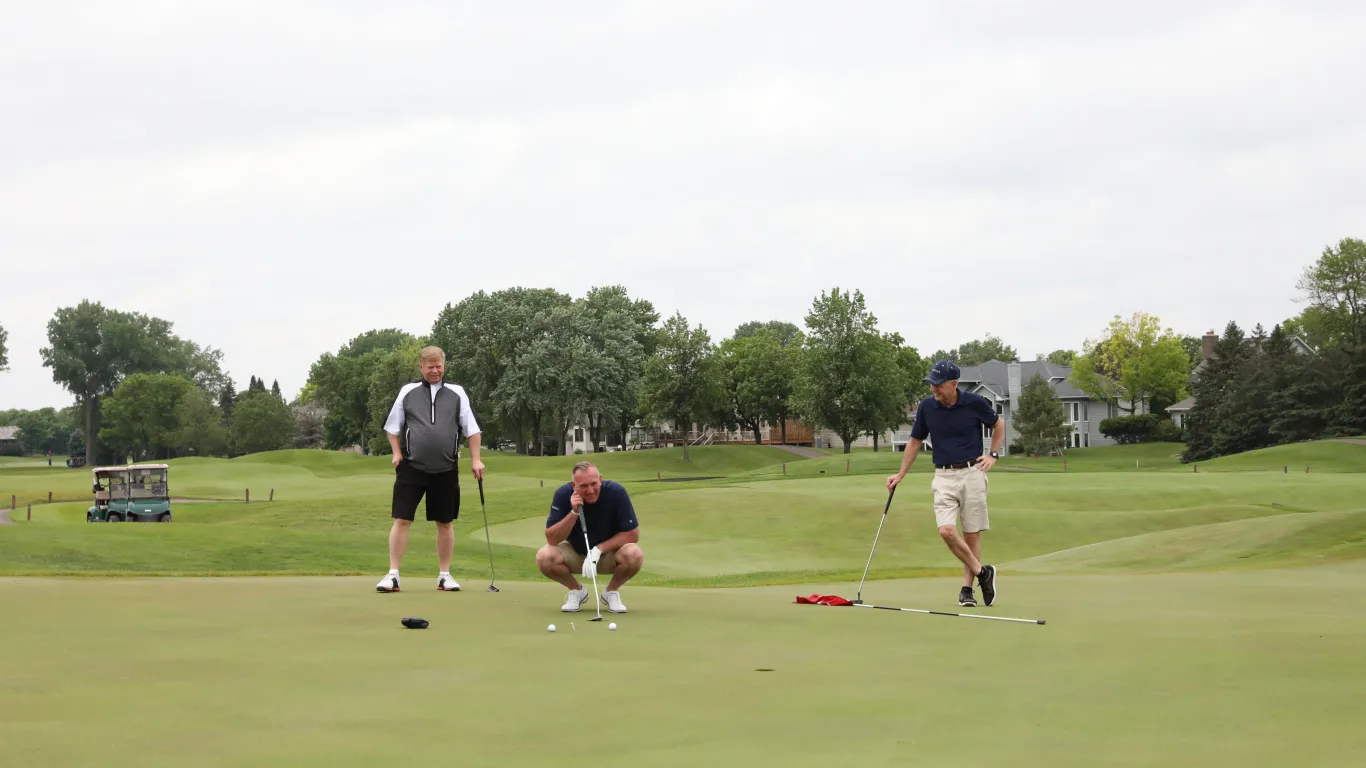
[(107, 470)]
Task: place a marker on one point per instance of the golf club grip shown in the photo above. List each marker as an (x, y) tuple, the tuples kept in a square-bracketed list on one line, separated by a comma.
[(481, 489)]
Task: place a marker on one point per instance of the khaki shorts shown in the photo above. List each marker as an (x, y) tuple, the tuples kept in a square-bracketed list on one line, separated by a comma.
[(606, 564), (960, 498)]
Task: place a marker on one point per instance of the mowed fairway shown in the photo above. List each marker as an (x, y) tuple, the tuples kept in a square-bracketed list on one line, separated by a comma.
[(1211, 618)]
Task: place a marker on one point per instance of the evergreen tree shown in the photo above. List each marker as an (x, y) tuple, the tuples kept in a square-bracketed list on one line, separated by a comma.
[(1040, 419), (1350, 416), (1308, 403), (1211, 390), (226, 398), (1243, 421), (275, 388)]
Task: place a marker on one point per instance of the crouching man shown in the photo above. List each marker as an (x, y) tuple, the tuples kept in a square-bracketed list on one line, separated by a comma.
[(613, 534)]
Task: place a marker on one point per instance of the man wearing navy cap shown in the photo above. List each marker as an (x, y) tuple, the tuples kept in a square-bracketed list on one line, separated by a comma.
[(954, 421)]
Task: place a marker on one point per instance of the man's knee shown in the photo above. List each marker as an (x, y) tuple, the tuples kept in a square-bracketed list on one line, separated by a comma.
[(549, 558), (631, 556), (948, 532), (402, 524), (444, 528)]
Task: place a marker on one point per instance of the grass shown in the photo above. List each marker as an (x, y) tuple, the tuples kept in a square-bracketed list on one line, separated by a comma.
[(1193, 618), (1249, 669)]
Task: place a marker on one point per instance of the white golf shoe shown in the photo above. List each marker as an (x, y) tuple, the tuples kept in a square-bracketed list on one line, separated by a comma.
[(613, 602), (388, 584), (575, 600), (445, 583)]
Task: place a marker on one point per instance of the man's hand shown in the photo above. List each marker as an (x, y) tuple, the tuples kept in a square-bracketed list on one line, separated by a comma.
[(894, 480), (590, 563), (985, 463), (395, 459), (575, 501), (477, 467)]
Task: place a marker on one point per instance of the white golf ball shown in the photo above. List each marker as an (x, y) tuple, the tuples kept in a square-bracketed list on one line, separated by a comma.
[(550, 628), (612, 626)]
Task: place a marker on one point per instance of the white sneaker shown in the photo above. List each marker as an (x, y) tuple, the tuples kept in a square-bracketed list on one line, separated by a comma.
[(613, 602), (388, 584), (445, 583), (575, 600)]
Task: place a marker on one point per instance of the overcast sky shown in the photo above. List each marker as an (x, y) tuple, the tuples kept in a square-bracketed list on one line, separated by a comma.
[(276, 177)]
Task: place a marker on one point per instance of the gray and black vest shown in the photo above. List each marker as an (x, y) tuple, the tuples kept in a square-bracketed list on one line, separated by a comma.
[(431, 428)]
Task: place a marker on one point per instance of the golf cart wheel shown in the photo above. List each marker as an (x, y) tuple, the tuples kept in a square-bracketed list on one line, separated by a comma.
[(115, 517), (164, 517)]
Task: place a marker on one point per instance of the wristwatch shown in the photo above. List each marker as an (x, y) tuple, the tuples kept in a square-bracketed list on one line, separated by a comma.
[(994, 455)]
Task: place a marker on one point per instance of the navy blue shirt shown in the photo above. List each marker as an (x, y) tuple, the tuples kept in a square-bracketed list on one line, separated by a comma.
[(956, 430), (611, 514)]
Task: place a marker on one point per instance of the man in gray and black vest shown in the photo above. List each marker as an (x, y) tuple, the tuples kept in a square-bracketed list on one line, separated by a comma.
[(424, 429)]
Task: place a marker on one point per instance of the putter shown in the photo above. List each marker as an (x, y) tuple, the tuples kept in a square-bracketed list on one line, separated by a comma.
[(486, 534), (858, 599), (597, 602), (944, 613)]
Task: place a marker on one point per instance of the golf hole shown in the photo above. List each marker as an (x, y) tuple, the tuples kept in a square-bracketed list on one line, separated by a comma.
[(763, 670)]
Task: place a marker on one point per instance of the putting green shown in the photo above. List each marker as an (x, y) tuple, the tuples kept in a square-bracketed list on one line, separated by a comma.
[(1255, 668)]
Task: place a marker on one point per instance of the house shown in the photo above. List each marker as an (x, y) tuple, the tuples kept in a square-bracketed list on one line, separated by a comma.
[(1001, 384), (1180, 412), (577, 438), (9, 442)]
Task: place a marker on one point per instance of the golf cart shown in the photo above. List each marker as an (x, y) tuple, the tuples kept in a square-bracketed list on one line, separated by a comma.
[(136, 493)]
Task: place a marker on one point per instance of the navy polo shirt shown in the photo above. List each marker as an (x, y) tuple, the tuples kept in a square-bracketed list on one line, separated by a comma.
[(956, 429), (611, 514)]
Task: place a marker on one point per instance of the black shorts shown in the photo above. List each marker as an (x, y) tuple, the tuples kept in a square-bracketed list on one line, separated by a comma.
[(442, 491)]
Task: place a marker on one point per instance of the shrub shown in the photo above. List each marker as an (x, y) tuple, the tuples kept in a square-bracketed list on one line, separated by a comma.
[(1125, 430)]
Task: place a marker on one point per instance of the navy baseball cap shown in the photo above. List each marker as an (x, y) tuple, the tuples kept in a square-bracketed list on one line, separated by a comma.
[(943, 371)]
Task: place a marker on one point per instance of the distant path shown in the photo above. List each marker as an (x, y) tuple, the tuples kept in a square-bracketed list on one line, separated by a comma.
[(4, 513), (4, 517), (805, 453), (1352, 440)]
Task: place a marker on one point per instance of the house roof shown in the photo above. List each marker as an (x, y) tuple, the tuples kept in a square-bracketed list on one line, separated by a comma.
[(1183, 406), (130, 467), (995, 375), (9, 433)]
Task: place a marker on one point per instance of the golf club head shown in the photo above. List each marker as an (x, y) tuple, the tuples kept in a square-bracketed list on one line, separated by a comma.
[(596, 618), (492, 588)]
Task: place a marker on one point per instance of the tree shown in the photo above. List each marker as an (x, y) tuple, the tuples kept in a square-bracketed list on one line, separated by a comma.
[(226, 397), (889, 370), (200, 426), (623, 331), (483, 336), (1335, 286), (1136, 362), (91, 349), (1195, 350), (850, 371), (788, 334), (275, 389), (378, 340), (42, 430), (979, 351), (141, 416), (388, 371), (308, 420), (682, 380), (4, 349), (1061, 357), (1212, 388), (757, 379), (1040, 419), (1243, 419), (260, 423)]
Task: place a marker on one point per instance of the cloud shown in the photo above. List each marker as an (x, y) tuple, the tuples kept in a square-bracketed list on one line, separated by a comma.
[(280, 177)]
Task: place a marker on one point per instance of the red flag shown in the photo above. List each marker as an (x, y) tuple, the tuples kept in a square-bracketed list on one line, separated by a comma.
[(823, 600)]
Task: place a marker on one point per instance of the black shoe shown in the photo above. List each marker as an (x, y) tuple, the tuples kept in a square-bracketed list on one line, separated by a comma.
[(986, 579), (965, 597)]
